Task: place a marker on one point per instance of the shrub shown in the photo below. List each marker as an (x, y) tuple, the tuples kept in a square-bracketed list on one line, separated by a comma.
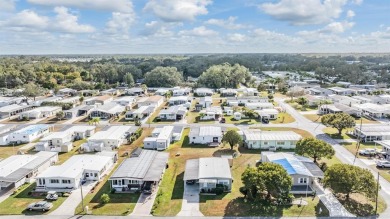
[(113, 191), (104, 199), (219, 190)]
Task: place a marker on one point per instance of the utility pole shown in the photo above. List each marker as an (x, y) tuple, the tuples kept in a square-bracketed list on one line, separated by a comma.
[(82, 196), (358, 141)]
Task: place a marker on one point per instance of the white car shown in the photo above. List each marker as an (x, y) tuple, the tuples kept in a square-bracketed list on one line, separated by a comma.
[(40, 206), (383, 163), (51, 195), (367, 151)]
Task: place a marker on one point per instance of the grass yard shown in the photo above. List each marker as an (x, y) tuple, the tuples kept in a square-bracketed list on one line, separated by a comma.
[(283, 118), (333, 133), (120, 204), (9, 150), (152, 118), (170, 195), (122, 120), (362, 206), (52, 120), (17, 203)]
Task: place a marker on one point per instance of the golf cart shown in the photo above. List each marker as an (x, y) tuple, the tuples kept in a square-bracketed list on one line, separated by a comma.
[(52, 195)]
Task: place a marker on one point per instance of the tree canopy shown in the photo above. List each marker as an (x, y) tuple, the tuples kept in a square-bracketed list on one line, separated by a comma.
[(225, 75), (347, 179), (232, 137), (269, 178), (32, 90), (314, 148), (338, 121), (163, 77)]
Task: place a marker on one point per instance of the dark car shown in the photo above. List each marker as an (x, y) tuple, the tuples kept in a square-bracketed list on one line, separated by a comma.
[(265, 120), (190, 182), (223, 120), (147, 188)]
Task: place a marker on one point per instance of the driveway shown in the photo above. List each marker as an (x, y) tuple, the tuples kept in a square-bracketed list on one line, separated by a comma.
[(190, 204), (144, 204), (70, 204)]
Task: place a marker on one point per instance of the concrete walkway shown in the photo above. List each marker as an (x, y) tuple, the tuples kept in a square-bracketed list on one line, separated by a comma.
[(335, 208), (190, 204), (144, 204), (70, 204), (4, 194)]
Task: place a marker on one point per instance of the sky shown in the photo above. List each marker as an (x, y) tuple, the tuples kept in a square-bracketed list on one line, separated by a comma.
[(193, 26)]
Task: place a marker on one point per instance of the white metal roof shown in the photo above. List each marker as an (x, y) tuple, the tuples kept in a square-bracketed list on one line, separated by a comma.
[(76, 165), (114, 132), (12, 107), (165, 133), (207, 168), (374, 129), (258, 135), (207, 131)]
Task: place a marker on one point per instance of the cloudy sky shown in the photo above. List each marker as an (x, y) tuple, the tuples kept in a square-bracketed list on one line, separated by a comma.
[(193, 26)]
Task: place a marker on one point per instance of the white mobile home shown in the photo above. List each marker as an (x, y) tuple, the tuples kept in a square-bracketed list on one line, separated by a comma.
[(161, 140), (259, 106), (126, 101), (135, 91), (19, 169), (140, 113), (111, 92), (209, 172), (5, 131), (181, 92), (372, 132), (206, 101), (202, 92), (107, 111), (40, 112), (66, 92), (155, 101), (173, 113), (109, 138), (13, 109), (211, 135), (272, 140), (71, 174), (211, 113), (98, 100), (178, 100), (28, 134)]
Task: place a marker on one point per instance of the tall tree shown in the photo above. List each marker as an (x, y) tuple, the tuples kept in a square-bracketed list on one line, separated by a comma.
[(32, 90), (347, 179), (232, 137), (270, 178), (129, 80), (314, 148), (224, 76), (163, 77), (338, 121)]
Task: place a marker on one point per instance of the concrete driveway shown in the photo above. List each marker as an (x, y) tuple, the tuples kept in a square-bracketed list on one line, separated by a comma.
[(190, 204), (70, 204), (144, 204)]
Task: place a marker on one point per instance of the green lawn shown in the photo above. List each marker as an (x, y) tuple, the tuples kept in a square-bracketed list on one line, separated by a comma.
[(333, 133), (17, 203), (193, 117), (283, 118), (301, 132), (317, 118), (9, 150), (351, 147), (231, 120)]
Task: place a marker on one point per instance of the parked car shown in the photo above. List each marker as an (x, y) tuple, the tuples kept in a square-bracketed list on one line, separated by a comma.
[(190, 182), (40, 206), (265, 120), (367, 151), (147, 188), (52, 195), (383, 163), (223, 120)]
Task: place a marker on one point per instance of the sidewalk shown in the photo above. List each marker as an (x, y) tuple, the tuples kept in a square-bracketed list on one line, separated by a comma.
[(335, 208), (144, 204)]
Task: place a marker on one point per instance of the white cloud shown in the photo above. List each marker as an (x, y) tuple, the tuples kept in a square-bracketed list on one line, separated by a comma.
[(120, 22), (201, 31), (67, 22), (105, 5), (303, 12), (332, 28), (7, 5), (177, 10), (357, 2), (236, 37), (156, 29), (227, 24), (268, 35), (350, 14), (30, 21), (27, 19)]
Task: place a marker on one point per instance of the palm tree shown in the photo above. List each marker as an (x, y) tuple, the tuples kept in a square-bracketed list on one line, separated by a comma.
[(94, 120), (60, 115)]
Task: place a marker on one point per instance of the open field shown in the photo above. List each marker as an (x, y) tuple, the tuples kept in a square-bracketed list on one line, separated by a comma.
[(301, 132), (333, 133)]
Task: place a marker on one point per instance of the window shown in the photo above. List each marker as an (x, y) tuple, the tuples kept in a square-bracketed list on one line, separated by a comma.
[(86, 174), (193, 137), (115, 182), (265, 143), (66, 181), (302, 180), (54, 181), (280, 142), (95, 174)]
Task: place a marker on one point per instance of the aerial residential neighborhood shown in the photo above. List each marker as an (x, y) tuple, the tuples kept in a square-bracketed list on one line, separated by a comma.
[(194, 109)]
